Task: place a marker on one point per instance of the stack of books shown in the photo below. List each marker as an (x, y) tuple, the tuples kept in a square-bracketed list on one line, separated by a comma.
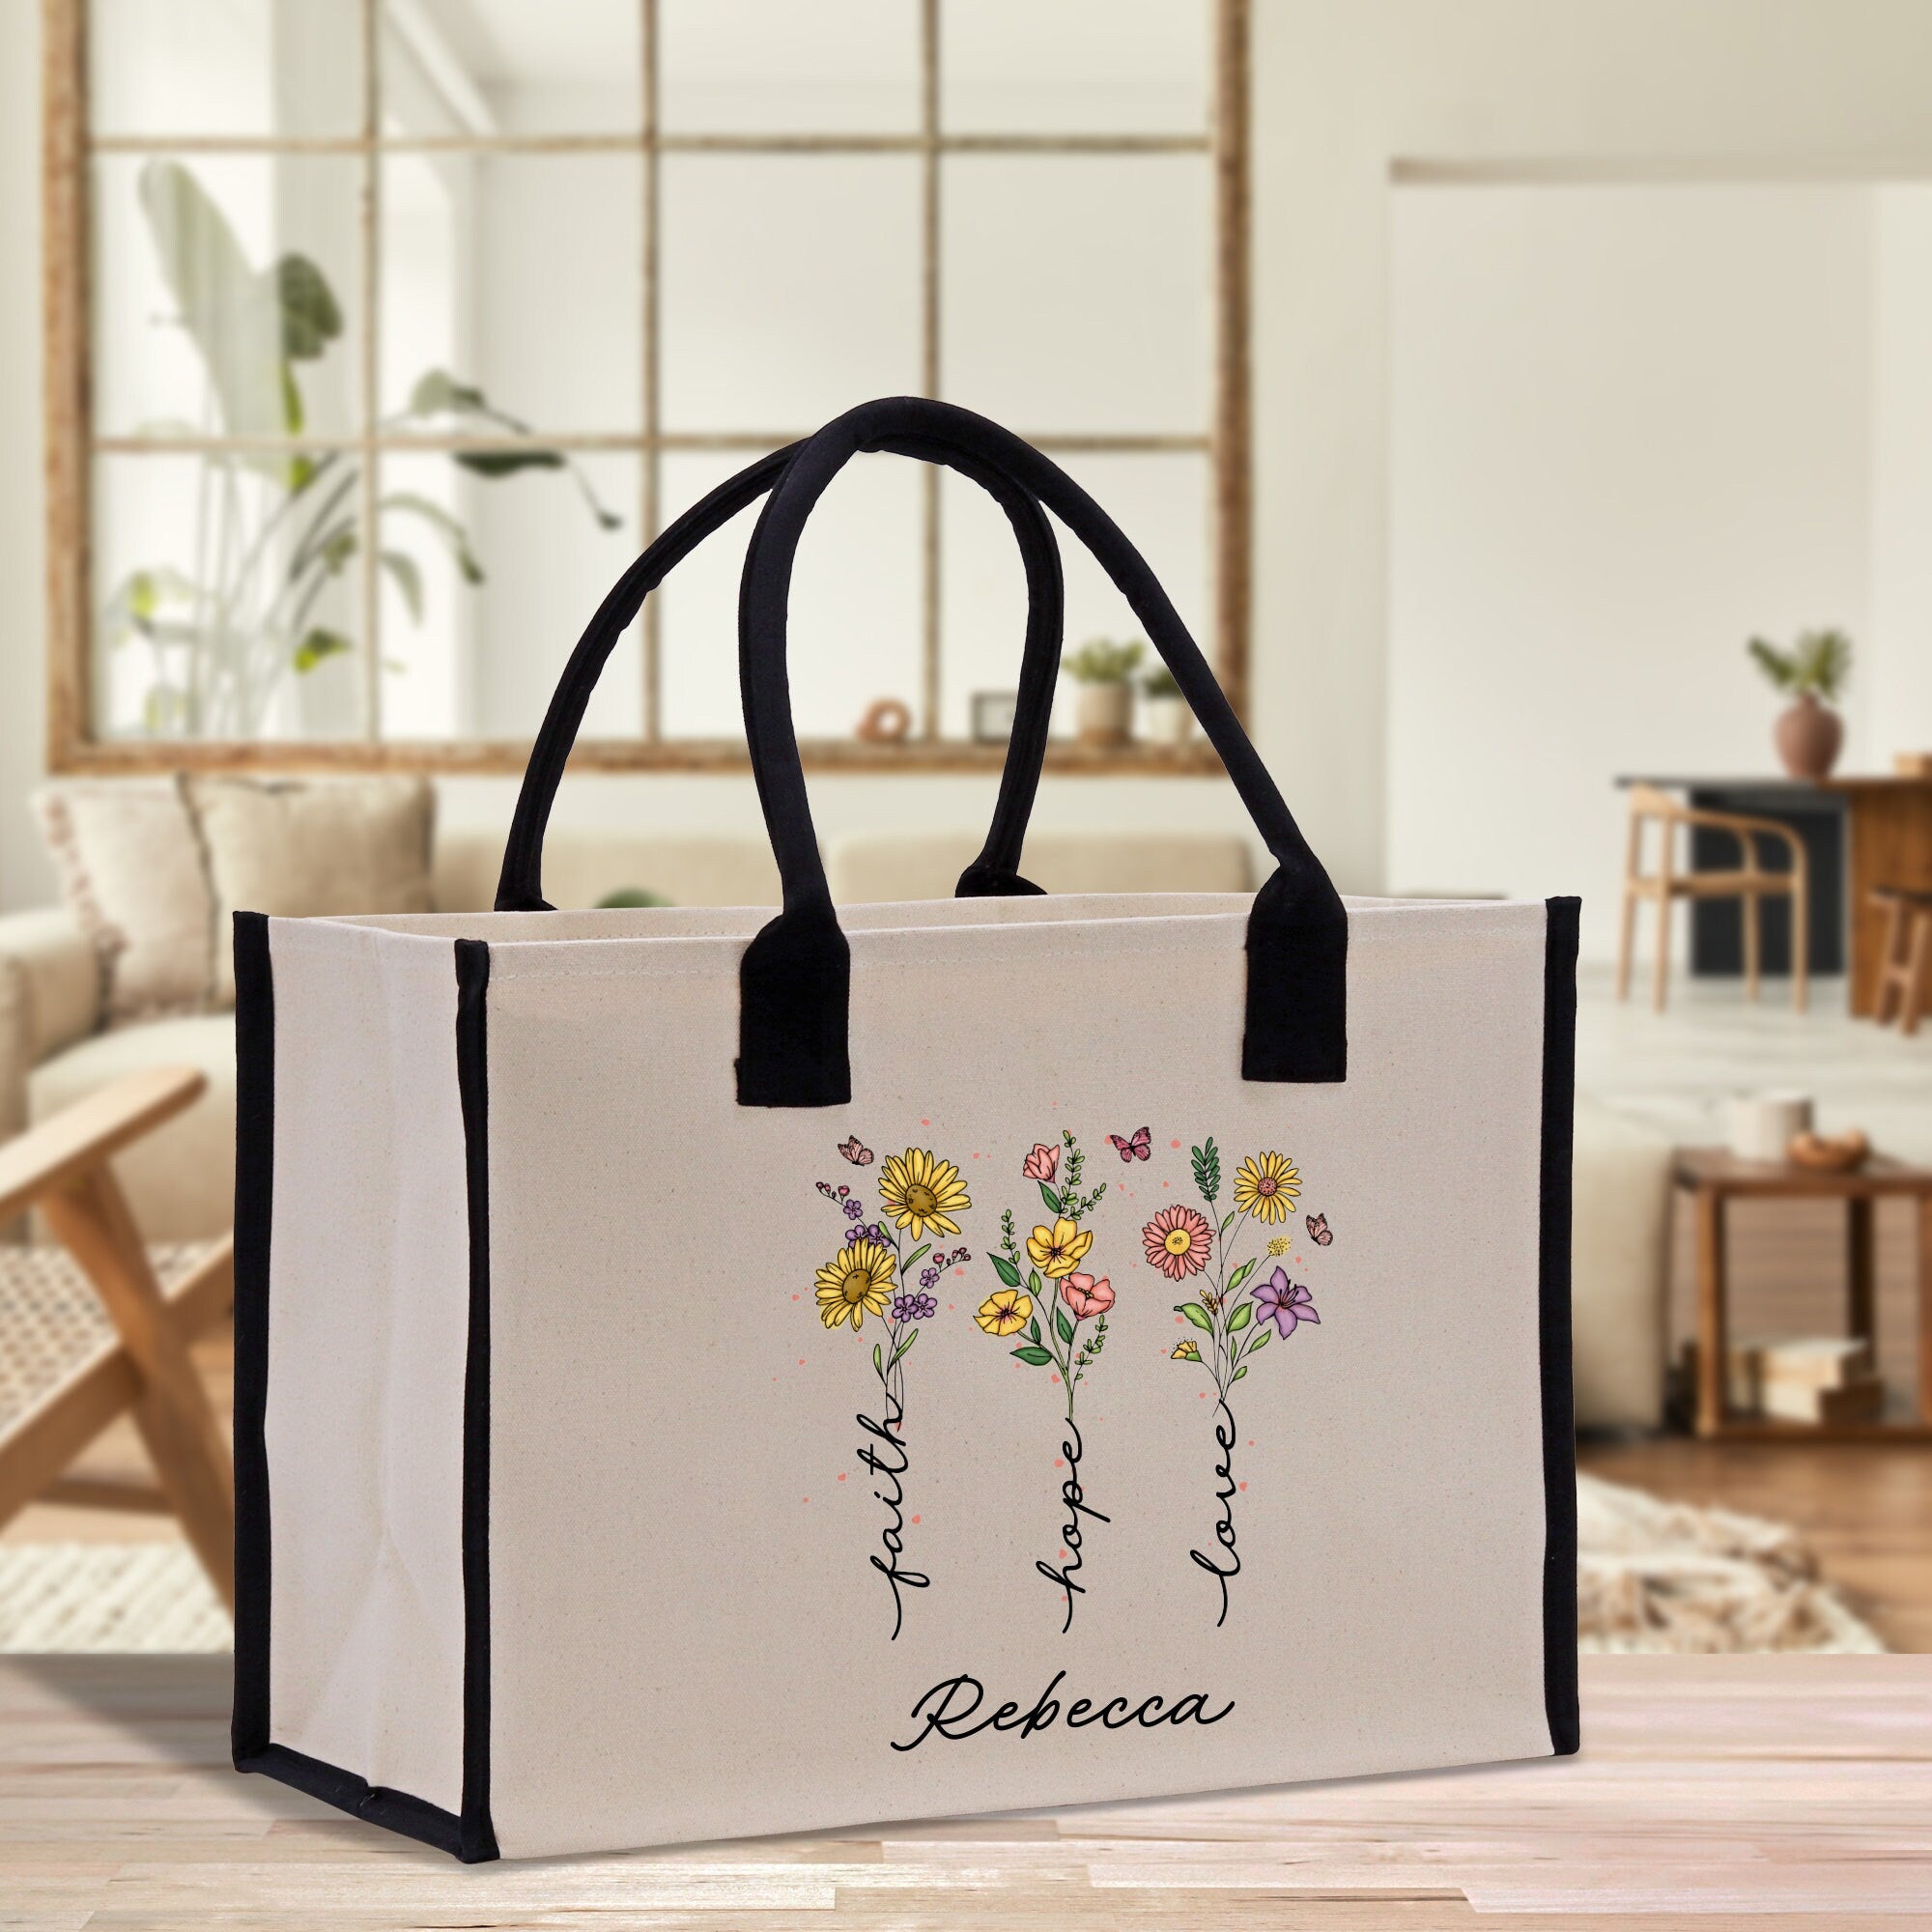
[(1807, 1379)]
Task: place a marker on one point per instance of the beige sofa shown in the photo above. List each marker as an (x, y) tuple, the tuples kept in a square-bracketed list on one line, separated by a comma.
[(53, 1049)]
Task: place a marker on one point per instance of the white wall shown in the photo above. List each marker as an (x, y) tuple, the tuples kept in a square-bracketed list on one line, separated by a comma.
[(1630, 426)]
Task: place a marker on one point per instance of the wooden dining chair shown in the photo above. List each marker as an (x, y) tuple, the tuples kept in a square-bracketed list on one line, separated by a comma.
[(94, 1326), (1749, 883), (1905, 965)]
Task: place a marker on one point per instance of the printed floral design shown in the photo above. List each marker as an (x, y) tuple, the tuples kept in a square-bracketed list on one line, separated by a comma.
[(1053, 1335), (1266, 1186), (869, 1275), (1238, 1320), (1178, 1242)]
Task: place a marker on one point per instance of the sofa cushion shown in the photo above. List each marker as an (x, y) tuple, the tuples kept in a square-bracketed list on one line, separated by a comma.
[(129, 867), (305, 848), (180, 1181), (581, 868), (1619, 1273)]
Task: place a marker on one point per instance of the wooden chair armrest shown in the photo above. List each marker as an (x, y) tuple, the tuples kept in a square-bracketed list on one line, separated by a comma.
[(82, 1136), (1742, 828)]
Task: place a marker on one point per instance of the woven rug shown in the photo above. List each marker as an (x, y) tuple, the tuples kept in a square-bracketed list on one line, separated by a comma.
[(1652, 1576)]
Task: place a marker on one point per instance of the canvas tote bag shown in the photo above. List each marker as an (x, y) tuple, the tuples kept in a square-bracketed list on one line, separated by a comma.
[(708, 1372)]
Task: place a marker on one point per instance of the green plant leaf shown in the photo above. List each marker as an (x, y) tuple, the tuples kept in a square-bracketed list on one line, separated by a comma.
[(1238, 1373), (1240, 1318), (438, 393), (1241, 1274), (311, 318), (495, 463), (1263, 1336), (1051, 1199), (1207, 1169), (1034, 1287), (878, 1361), (408, 503), (317, 647), (1061, 1327), (1034, 1359), (406, 574), (1006, 1270), (1033, 1328), (1227, 1220), (1196, 1313), (924, 1248), (899, 1354)]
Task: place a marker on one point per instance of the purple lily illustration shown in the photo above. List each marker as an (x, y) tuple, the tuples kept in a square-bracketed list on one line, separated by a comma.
[(1284, 1302)]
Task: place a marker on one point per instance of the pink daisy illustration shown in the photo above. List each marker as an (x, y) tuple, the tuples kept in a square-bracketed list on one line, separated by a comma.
[(1178, 1242)]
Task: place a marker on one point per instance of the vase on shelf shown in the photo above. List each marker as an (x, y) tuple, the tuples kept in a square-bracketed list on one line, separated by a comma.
[(1809, 736)]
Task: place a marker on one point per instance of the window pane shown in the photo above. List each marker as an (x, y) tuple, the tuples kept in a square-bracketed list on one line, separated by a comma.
[(518, 276), (1078, 290), (1075, 66), (226, 600), (506, 66), (838, 67), (497, 579), (790, 287), (224, 67), (854, 635), (1160, 502), (225, 294)]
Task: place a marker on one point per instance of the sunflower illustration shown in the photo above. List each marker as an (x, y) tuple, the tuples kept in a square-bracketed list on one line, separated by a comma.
[(856, 1279), (1059, 1249), (1266, 1186), (920, 1192), (1005, 1312)]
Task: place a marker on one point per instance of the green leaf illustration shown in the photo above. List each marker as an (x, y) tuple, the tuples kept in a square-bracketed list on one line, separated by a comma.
[(1033, 1328), (1063, 1325), (1227, 1220), (878, 1362), (1006, 1270), (899, 1354), (1239, 1373), (1034, 1359), (1051, 1199), (1207, 1169), (1241, 1274), (1240, 1318), (1196, 1313), (1033, 1284), (916, 1255), (1263, 1335)]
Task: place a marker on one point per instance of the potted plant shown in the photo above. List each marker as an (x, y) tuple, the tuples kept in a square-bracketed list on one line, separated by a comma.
[(1813, 671), (1104, 672), (1168, 720)]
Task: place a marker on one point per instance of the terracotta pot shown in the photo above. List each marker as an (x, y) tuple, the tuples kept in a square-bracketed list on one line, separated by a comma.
[(1808, 738), (1104, 712)]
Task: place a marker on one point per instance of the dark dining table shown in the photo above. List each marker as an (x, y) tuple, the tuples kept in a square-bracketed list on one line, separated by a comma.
[(1859, 831)]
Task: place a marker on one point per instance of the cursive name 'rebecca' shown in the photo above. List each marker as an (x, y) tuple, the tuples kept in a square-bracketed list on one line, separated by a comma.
[(951, 1710)]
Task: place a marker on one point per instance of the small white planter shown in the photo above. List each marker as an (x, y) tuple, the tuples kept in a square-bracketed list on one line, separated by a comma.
[(1104, 712), (1166, 720)]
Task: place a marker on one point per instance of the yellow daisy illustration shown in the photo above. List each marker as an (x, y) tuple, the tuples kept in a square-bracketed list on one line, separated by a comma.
[(1059, 1249), (1266, 1186), (854, 1281), (920, 1192), (1005, 1312)]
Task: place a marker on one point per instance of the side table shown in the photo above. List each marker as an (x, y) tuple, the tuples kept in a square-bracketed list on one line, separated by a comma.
[(1713, 1179)]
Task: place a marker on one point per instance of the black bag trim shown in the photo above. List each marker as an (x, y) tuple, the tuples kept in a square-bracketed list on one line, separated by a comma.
[(254, 1189), (795, 977), (471, 1836), (1559, 1409), (473, 1079)]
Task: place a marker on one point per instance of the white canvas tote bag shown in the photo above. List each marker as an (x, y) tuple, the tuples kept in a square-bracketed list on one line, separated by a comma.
[(704, 1374)]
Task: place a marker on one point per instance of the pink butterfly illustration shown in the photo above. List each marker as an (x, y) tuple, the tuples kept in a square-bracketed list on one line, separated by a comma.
[(1318, 1230), (856, 1152), (1138, 1147)]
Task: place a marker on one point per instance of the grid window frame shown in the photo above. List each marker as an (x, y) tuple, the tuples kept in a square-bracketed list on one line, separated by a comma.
[(71, 149)]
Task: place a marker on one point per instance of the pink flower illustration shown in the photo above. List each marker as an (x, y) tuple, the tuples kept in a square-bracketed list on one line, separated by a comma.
[(1043, 1163), (1178, 1242), (1285, 1303), (1087, 1296)]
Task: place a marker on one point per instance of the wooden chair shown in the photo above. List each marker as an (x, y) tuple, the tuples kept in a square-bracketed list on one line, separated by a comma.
[(89, 1333), (1905, 966), (1750, 883)]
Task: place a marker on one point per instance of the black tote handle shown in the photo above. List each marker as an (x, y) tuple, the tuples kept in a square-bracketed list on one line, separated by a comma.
[(995, 873), (795, 978)]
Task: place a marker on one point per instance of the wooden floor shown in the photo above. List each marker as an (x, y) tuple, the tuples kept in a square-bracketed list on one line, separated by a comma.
[(1712, 1793)]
